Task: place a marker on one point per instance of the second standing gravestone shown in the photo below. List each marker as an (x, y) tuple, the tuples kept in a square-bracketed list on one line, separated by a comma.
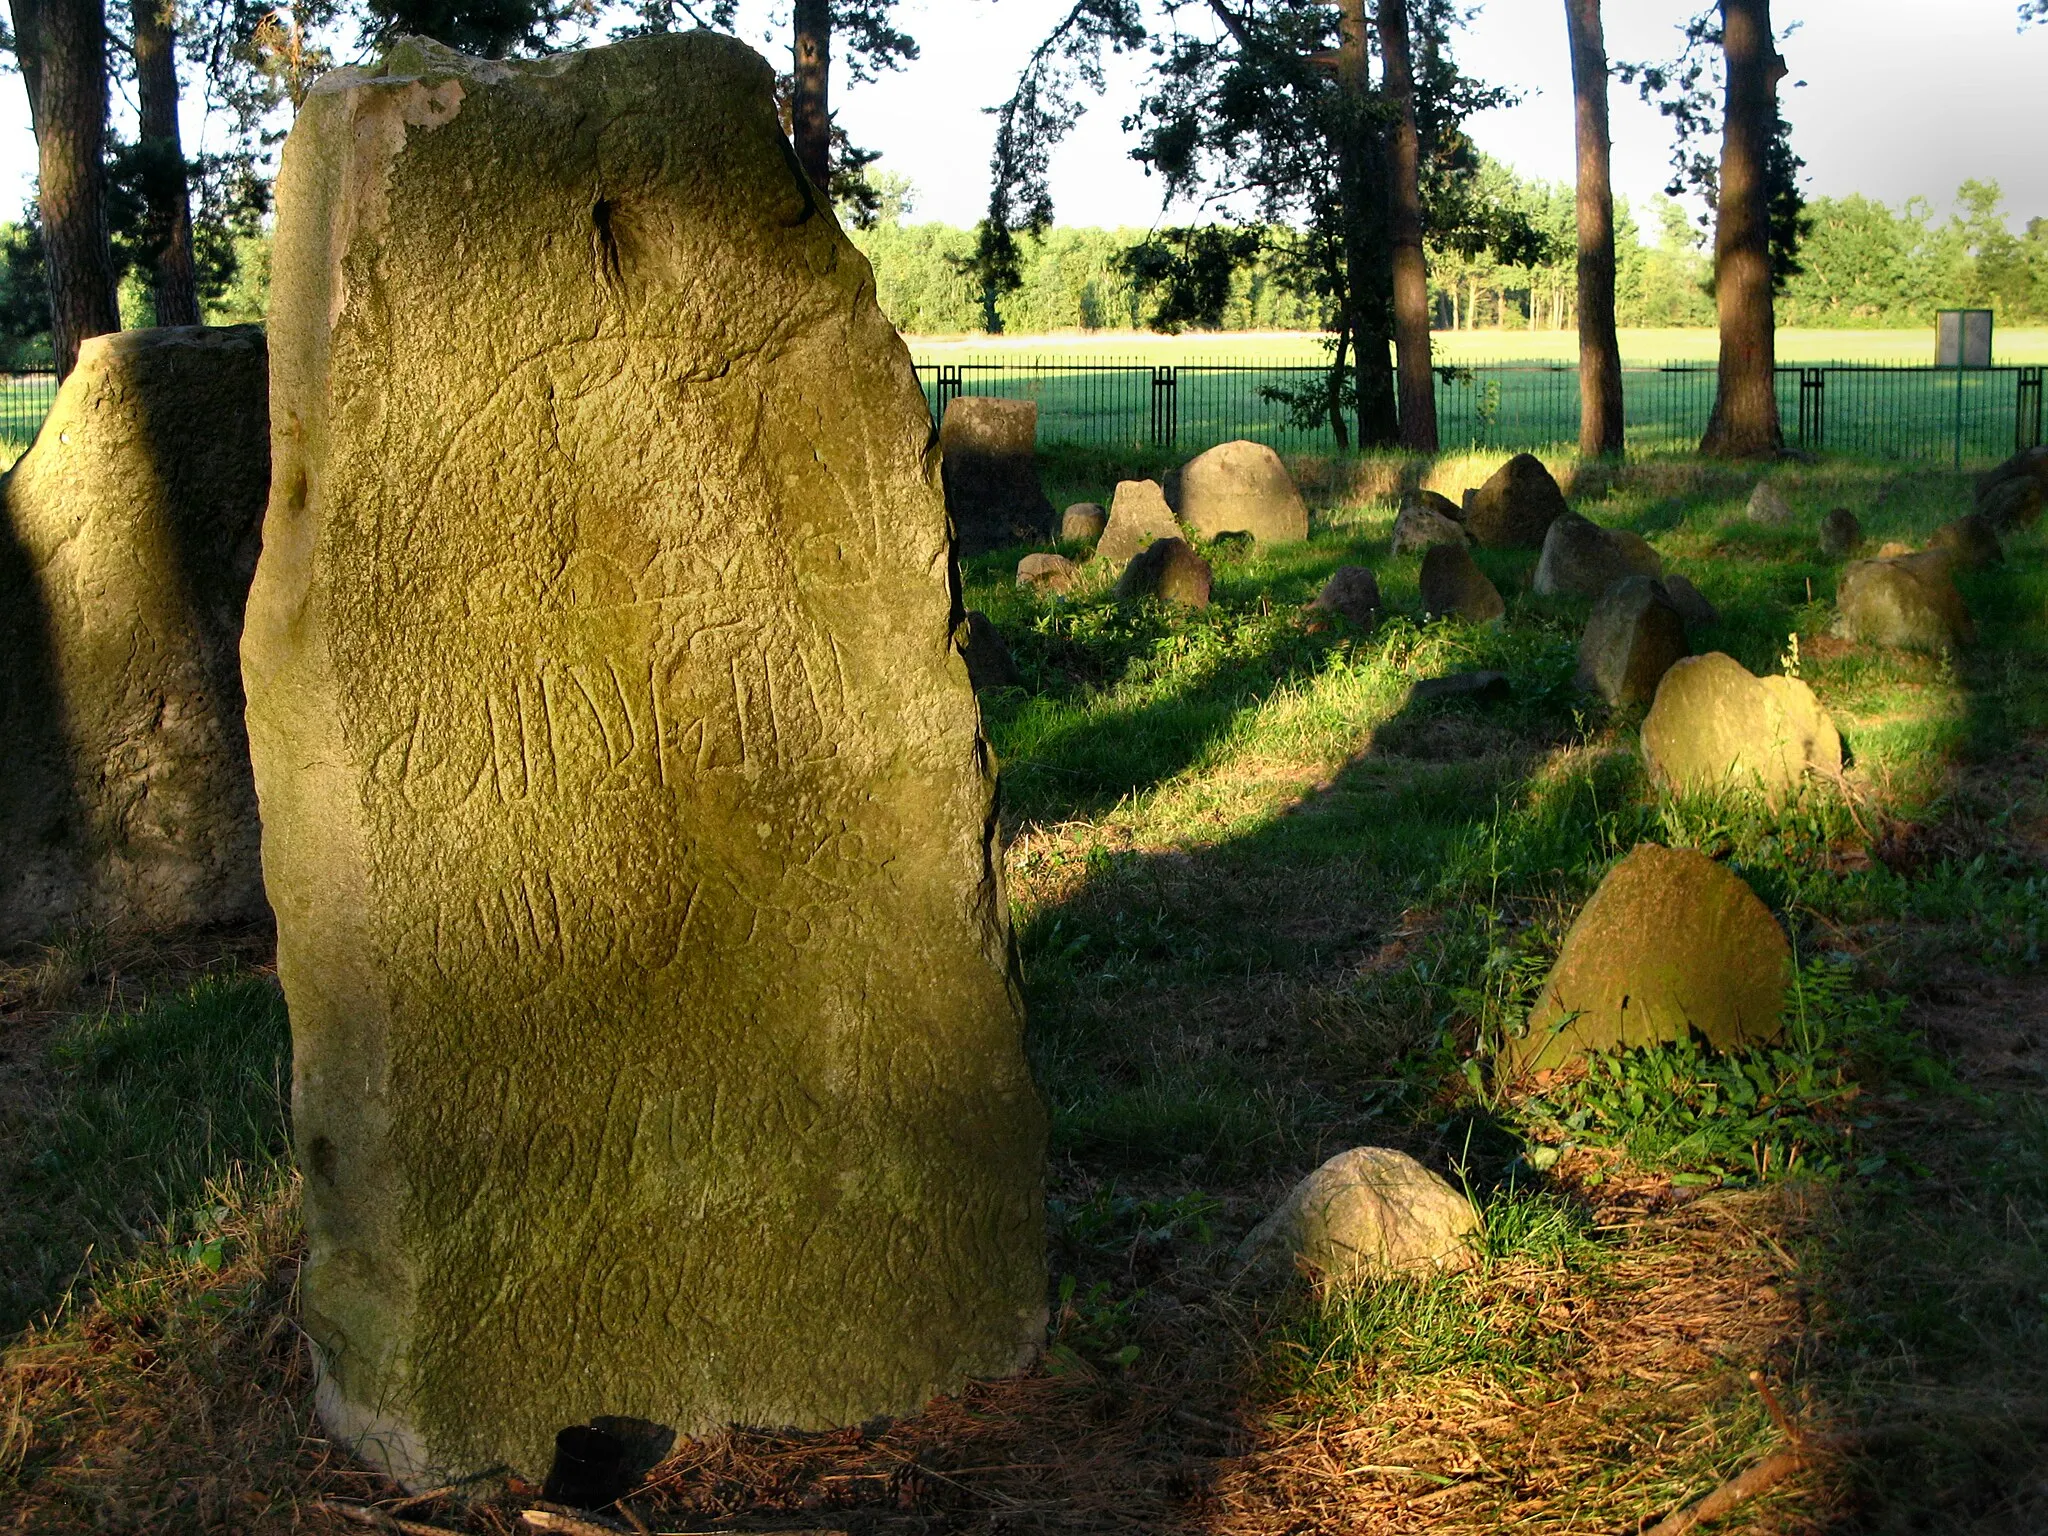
[(624, 804)]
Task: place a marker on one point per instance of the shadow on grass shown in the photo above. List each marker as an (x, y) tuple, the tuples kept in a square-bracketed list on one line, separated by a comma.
[(133, 1118)]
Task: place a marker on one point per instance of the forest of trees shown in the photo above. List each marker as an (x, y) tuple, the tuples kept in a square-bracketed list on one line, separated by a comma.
[(1337, 126), (1864, 265)]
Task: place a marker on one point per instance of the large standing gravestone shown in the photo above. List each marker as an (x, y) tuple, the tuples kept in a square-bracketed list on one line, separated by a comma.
[(624, 805), (990, 451), (128, 537)]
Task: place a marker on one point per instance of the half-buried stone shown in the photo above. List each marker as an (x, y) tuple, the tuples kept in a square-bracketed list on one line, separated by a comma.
[(128, 533), (1047, 573), (1715, 725), (1691, 603), (1454, 587), (1970, 542), (1138, 515), (1419, 525), (1241, 487), (1841, 533), (2011, 495), (1515, 509), (656, 1051), (1352, 593), (1635, 636), (1169, 570), (1367, 1214), (1907, 601), (1670, 945), (1767, 508), (988, 451), (1582, 559), (1083, 522), (987, 654)]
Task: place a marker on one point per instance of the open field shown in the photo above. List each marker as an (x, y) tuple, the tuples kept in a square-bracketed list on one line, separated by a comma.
[(1644, 347), (1268, 908)]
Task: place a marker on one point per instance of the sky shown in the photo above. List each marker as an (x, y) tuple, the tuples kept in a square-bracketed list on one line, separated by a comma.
[(1901, 98)]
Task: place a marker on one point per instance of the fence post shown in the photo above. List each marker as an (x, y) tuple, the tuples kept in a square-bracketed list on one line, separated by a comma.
[(949, 388), (1165, 405), (1813, 384), (2026, 430)]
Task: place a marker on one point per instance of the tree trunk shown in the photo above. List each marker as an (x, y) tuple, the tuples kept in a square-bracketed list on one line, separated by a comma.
[(1745, 419), (1411, 267), (167, 202), (810, 106), (1362, 167), (62, 46), (1600, 413), (1338, 429)]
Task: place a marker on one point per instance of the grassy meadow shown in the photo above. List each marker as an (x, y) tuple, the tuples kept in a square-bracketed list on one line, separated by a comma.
[(2012, 347), (1268, 908)]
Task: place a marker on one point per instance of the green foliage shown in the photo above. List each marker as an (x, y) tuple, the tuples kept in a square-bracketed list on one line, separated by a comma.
[(1749, 1116), (1334, 1348), (152, 1109)]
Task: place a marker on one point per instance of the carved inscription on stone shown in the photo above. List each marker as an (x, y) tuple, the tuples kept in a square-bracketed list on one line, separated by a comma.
[(625, 808)]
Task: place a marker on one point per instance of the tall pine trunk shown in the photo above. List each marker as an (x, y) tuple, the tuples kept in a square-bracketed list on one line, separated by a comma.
[(810, 106), (1410, 266), (1363, 173), (1600, 415), (1745, 419), (167, 203), (62, 46)]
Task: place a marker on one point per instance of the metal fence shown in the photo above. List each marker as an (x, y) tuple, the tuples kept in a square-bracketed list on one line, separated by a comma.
[(25, 399), (1908, 412)]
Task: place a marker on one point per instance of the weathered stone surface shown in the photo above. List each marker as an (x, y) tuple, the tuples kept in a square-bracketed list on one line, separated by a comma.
[(1909, 601), (1453, 586), (1170, 570), (1715, 724), (1671, 944), (1582, 559), (2011, 495), (128, 533), (1841, 533), (1418, 527), (1047, 573), (1691, 603), (1767, 507), (1352, 593), (1368, 1213), (1138, 515), (1970, 542), (1083, 522), (656, 1049), (1515, 509), (1434, 501), (987, 654), (1634, 636), (1241, 487), (988, 448)]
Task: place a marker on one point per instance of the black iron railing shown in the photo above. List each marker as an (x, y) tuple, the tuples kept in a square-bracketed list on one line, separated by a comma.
[(1906, 412), (25, 399)]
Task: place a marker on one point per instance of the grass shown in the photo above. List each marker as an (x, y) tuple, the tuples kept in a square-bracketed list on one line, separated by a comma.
[(2014, 346), (1268, 909)]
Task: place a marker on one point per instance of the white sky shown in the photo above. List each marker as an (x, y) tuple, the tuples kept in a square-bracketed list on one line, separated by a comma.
[(1902, 98)]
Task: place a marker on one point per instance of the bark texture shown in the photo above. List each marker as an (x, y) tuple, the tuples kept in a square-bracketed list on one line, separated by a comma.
[(165, 189), (1404, 210), (62, 45), (1745, 419), (1600, 408), (810, 106), (1363, 171)]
